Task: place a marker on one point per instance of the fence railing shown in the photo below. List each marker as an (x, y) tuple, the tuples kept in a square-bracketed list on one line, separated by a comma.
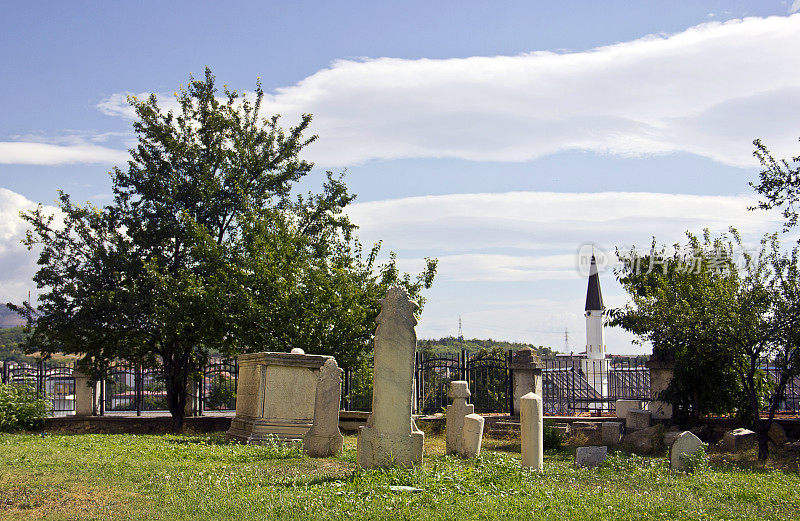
[(570, 384)]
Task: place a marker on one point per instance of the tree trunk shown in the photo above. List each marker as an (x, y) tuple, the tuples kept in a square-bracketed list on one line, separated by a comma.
[(176, 377), (763, 439)]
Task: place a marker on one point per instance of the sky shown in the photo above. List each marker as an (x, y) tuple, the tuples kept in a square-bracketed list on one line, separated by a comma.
[(507, 139)]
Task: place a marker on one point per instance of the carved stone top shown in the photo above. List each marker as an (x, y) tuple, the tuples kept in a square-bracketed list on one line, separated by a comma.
[(459, 389), (397, 306), (526, 359), (285, 359)]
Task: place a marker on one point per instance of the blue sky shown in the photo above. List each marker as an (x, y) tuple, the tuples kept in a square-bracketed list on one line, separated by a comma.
[(496, 136)]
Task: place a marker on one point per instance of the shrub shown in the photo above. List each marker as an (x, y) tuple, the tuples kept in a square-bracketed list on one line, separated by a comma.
[(21, 408), (697, 462), (553, 439)]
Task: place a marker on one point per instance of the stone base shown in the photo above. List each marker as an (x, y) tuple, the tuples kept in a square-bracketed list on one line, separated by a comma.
[(389, 450), (322, 446), (257, 431)]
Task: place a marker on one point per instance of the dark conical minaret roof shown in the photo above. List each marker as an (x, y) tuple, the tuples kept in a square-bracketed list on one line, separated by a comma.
[(594, 297)]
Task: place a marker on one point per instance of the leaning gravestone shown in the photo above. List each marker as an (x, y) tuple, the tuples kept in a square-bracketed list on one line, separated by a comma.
[(324, 438), (473, 435), (390, 436), (686, 444), (532, 431)]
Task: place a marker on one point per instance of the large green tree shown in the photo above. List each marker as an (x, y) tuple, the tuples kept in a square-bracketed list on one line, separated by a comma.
[(207, 247)]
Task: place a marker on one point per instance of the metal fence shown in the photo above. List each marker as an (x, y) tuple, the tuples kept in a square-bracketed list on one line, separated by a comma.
[(570, 384)]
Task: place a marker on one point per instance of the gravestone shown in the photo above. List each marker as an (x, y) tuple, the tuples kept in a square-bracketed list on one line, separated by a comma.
[(526, 369), (473, 435), (87, 395), (532, 431), (454, 418), (739, 439), (777, 434), (637, 419), (275, 396), (590, 456), (390, 436), (324, 438), (611, 433), (623, 406), (685, 444)]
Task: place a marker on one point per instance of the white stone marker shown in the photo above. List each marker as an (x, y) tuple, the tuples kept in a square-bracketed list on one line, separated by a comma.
[(532, 431), (324, 438), (473, 435), (686, 443), (390, 436), (454, 419), (590, 456)]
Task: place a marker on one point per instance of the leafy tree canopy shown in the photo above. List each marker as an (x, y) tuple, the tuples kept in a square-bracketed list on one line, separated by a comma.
[(207, 247)]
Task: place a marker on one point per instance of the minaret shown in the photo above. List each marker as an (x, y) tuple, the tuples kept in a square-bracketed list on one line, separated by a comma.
[(595, 345), (595, 366)]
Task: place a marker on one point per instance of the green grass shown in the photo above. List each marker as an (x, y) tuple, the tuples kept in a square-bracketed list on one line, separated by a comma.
[(201, 477)]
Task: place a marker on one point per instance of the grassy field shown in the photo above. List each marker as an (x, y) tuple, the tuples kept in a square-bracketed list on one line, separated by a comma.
[(198, 478)]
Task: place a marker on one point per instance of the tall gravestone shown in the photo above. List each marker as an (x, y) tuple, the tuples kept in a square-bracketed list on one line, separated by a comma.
[(390, 436), (324, 438), (532, 431)]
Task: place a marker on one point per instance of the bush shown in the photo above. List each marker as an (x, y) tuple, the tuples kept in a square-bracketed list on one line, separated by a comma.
[(553, 439), (697, 462), (21, 408)]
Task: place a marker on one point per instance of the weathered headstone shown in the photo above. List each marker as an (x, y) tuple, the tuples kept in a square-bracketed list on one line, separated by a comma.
[(686, 444), (324, 438), (454, 418), (86, 395), (390, 436), (777, 434), (637, 419), (611, 433), (590, 456), (739, 439), (532, 431), (473, 435), (645, 441), (623, 406), (526, 369)]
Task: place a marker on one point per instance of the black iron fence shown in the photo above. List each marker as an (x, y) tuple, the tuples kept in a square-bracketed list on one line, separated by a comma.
[(570, 384)]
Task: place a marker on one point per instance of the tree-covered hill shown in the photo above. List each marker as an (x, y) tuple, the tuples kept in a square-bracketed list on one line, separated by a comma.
[(452, 344), (10, 339)]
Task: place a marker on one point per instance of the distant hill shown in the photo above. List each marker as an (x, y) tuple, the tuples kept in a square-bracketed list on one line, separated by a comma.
[(10, 338), (453, 345), (9, 318)]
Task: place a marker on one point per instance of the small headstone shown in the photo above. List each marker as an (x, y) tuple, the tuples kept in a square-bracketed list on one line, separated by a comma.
[(297, 351), (590, 456), (324, 438), (390, 436), (739, 440), (777, 434), (532, 431), (685, 444), (473, 435), (637, 419), (611, 433), (454, 418), (623, 406)]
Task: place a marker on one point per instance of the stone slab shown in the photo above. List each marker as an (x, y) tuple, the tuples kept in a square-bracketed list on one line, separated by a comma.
[(591, 456), (660, 410), (637, 419), (611, 433), (739, 439), (623, 406), (645, 441)]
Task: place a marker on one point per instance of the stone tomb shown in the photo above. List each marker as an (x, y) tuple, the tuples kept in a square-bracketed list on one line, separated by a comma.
[(276, 395)]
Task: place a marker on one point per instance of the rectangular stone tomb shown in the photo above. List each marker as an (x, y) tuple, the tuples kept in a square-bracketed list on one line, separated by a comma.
[(275, 396)]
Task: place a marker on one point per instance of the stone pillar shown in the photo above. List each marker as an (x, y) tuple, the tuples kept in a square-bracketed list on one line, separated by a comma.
[(527, 370), (454, 426), (532, 431), (324, 438), (473, 435), (390, 436), (661, 372), (87, 395)]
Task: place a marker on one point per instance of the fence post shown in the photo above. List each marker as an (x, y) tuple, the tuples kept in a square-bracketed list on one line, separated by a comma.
[(510, 383), (5, 371), (40, 384), (463, 365), (102, 394), (201, 393), (137, 388)]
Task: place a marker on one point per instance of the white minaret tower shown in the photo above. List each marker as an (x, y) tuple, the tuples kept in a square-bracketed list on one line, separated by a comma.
[(595, 366)]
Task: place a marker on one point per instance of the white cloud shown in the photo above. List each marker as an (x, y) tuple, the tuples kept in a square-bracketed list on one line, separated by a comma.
[(709, 90), (17, 264), (36, 153)]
